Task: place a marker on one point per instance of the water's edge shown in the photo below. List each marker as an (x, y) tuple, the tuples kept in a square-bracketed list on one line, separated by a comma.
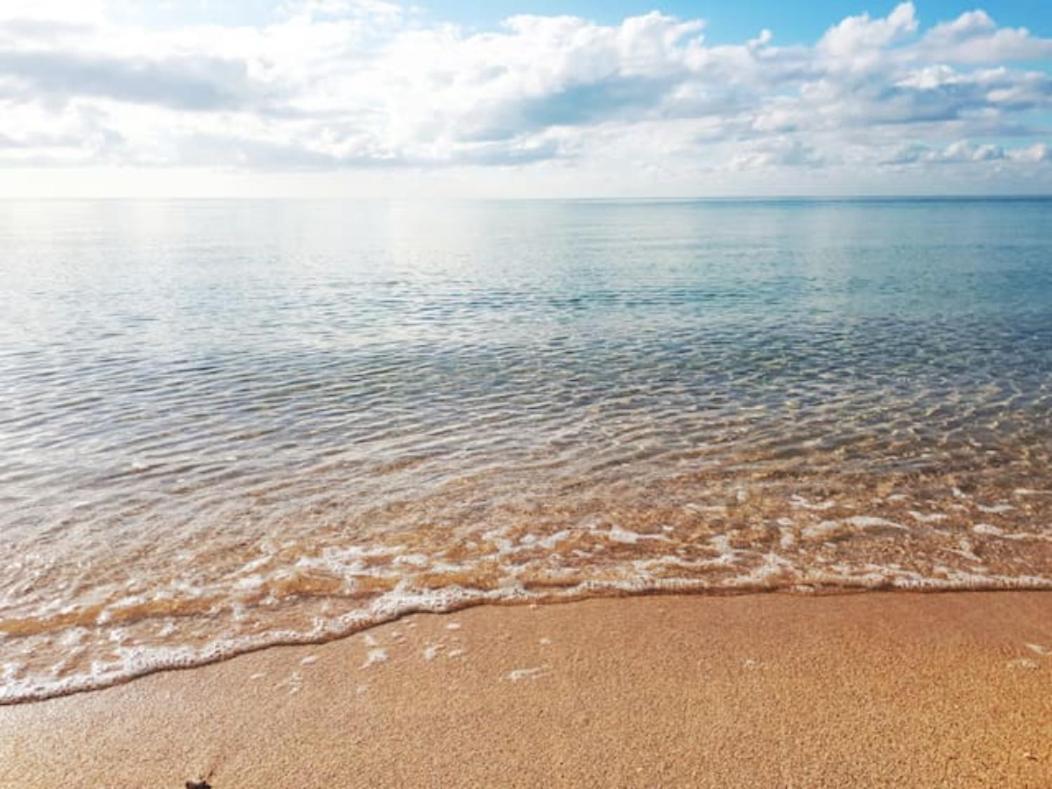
[(596, 590)]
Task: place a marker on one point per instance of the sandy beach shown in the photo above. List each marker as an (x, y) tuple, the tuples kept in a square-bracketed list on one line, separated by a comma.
[(874, 689)]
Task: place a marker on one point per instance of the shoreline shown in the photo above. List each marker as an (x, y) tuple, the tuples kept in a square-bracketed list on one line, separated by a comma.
[(913, 688), (679, 588)]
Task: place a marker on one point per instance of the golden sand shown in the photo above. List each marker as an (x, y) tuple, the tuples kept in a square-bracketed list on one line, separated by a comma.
[(874, 689)]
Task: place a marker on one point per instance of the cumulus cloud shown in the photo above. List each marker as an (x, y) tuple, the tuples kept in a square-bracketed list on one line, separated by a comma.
[(853, 41), (341, 84), (974, 37)]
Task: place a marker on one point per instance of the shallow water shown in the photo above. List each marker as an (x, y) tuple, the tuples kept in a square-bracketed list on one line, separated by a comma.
[(230, 424)]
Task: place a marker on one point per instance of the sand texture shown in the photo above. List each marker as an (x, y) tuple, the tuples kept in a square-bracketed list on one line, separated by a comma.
[(875, 689)]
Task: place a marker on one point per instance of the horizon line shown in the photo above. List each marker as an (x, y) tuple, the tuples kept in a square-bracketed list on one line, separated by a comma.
[(513, 199)]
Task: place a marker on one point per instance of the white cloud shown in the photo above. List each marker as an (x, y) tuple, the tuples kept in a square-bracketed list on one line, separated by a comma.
[(338, 85), (975, 38), (857, 36)]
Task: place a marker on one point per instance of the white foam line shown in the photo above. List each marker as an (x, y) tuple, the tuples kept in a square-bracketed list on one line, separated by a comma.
[(801, 502), (995, 531), (933, 517), (869, 522), (617, 534), (139, 661)]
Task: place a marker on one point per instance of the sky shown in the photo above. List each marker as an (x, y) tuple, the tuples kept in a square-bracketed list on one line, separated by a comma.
[(524, 98)]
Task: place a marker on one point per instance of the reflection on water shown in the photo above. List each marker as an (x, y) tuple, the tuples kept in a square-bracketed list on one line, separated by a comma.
[(227, 424)]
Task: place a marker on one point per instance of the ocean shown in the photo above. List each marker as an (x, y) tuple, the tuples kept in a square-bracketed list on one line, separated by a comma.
[(231, 424)]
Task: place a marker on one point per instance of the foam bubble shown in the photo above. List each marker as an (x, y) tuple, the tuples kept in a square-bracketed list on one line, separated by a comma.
[(431, 651), (374, 656), (520, 674)]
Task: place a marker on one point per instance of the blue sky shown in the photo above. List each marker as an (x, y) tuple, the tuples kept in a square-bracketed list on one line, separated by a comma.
[(727, 21), (791, 22), (382, 98)]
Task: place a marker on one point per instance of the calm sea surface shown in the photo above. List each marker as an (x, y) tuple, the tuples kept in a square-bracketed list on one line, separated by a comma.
[(230, 424)]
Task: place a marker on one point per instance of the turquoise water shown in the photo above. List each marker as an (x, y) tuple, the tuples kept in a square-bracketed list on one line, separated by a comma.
[(226, 424)]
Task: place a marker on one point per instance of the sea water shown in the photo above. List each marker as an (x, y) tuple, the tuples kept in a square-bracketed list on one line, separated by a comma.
[(229, 424)]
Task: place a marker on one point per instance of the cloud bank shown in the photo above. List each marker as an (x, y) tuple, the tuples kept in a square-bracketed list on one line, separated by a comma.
[(367, 86)]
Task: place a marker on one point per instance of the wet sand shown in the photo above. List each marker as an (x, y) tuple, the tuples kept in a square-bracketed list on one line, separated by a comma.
[(760, 690)]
